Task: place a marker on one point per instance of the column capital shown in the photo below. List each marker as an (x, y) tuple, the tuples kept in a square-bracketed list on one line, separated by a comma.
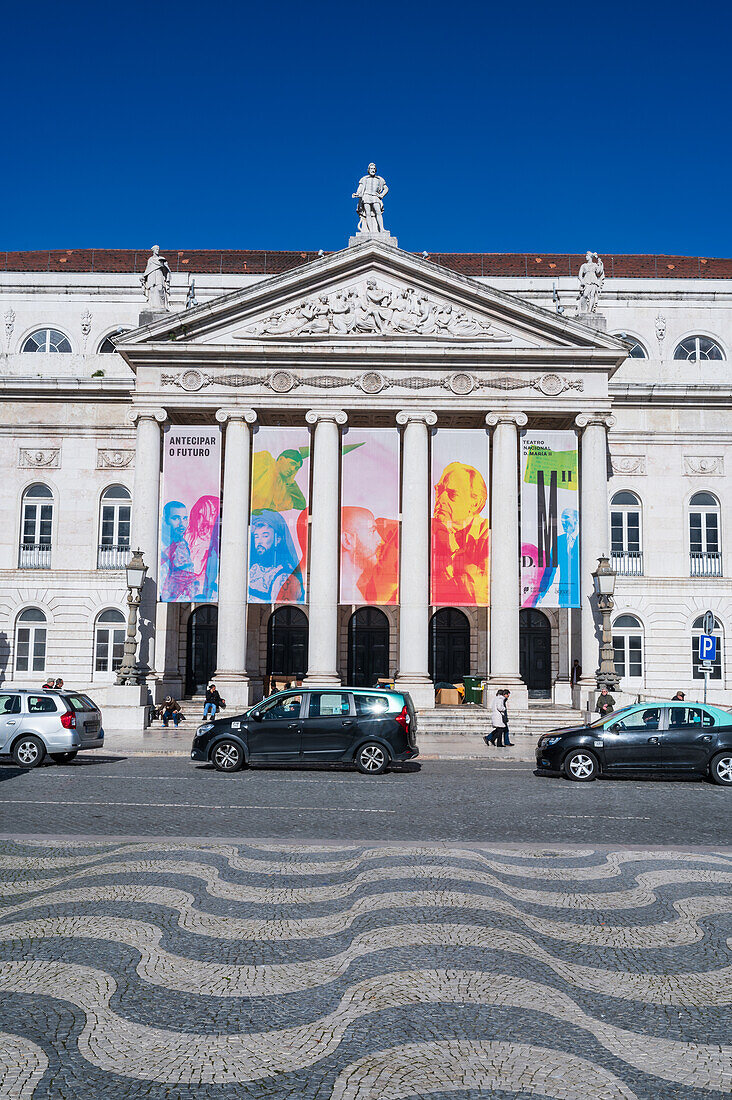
[(147, 412), (423, 416), (314, 416), (249, 416), (583, 420), (506, 417)]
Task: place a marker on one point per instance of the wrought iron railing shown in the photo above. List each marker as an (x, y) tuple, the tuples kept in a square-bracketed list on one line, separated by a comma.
[(705, 563), (628, 563), (34, 555), (113, 557)]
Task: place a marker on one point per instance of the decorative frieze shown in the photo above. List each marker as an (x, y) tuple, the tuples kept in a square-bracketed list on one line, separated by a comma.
[(460, 383), (9, 326), (628, 465), (703, 465), (39, 458), (115, 458)]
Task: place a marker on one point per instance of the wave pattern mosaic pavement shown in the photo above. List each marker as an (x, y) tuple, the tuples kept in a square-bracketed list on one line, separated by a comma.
[(363, 973)]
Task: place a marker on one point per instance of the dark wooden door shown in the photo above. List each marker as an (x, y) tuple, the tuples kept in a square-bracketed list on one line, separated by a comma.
[(368, 647), (287, 643), (449, 646), (201, 663), (535, 650)]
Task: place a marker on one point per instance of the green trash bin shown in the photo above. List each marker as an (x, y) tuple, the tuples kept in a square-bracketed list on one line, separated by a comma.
[(473, 689)]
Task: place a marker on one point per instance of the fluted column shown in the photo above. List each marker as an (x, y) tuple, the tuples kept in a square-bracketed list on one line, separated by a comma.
[(324, 547), (145, 521), (594, 535), (231, 644), (505, 586), (414, 583)]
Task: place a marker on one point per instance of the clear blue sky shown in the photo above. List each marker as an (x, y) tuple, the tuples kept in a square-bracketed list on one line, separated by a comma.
[(499, 128)]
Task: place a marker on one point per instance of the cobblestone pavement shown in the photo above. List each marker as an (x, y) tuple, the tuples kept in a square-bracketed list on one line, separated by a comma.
[(175, 969)]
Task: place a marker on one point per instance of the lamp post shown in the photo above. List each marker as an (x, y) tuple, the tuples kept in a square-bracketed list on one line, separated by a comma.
[(128, 672), (604, 581)]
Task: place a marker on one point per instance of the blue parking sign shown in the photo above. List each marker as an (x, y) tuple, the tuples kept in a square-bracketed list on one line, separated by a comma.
[(707, 647)]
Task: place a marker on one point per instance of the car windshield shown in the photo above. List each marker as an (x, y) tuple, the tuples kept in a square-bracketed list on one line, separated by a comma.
[(608, 718)]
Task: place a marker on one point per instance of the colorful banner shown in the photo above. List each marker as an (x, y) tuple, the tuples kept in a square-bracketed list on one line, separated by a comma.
[(278, 529), (189, 524), (370, 516), (460, 517), (550, 562)]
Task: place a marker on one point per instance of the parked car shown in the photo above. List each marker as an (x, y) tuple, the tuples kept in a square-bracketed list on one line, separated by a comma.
[(369, 727), (34, 724), (655, 737)]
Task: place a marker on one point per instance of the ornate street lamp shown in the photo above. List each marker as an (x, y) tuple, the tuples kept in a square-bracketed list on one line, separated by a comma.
[(604, 581), (128, 672)]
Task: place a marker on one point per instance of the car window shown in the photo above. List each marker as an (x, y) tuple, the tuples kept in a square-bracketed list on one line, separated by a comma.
[(326, 704), (41, 704), (689, 717), (647, 719), (78, 702), (369, 705), (287, 706), (9, 704)]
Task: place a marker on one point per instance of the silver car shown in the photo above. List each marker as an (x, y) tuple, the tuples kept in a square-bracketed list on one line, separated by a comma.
[(34, 724)]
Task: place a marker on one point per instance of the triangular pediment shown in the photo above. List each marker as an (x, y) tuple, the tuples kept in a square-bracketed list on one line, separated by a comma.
[(369, 293)]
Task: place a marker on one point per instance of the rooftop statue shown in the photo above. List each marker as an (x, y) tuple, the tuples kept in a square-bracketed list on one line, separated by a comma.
[(591, 280), (156, 280), (370, 194)]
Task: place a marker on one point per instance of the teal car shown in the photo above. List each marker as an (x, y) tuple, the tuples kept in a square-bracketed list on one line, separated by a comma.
[(676, 737)]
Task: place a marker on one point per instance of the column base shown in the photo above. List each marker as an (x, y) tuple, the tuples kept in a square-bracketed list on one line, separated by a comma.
[(562, 693), (519, 692), (237, 689), (321, 679), (420, 688), (584, 694)]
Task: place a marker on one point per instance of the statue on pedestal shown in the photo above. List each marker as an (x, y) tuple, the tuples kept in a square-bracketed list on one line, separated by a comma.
[(156, 281), (591, 280), (370, 194)]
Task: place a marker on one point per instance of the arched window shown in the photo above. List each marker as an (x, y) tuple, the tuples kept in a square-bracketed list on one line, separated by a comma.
[(637, 351), (705, 544), (698, 348), (30, 641), (114, 528), (625, 534), (628, 646), (107, 347), (109, 641), (47, 339), (36, 528), (697, 628)]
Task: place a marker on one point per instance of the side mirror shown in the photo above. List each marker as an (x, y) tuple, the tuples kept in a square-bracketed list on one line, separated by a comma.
[(256, 716)]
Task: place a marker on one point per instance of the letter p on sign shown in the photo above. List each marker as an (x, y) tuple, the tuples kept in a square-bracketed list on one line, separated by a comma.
[(707, 647)]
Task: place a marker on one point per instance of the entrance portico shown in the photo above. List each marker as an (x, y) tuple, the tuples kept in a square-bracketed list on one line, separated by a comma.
[(465, 357)]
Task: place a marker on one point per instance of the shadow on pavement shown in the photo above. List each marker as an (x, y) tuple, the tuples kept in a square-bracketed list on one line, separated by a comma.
[(12, 772)]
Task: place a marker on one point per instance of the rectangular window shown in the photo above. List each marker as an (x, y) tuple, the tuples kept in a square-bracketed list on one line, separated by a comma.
[(102, 653), (9, 704), (328, 704), (39, 649), (367, 706), (123, 526), (712, 533), (41, 704), (619, 653), (635, 655), (616, 531), (118, 648), (22, 649), (634, 531), (107, 538), (695, 532)]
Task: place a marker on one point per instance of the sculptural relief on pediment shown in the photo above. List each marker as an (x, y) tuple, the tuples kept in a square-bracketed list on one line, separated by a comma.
[(371, 308)]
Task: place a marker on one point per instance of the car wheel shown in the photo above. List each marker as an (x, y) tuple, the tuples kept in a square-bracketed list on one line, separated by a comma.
[(227, 756), (28, 752), (581, 766), (721, 769), (64, 757), (372, 759)]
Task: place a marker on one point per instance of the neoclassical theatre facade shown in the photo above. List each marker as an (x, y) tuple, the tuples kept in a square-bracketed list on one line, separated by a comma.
[(288, 361)]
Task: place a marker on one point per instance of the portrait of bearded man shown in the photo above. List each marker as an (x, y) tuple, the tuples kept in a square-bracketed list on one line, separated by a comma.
[(460, 538)]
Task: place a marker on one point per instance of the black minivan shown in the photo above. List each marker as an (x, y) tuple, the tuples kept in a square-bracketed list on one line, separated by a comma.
[(369, 727)]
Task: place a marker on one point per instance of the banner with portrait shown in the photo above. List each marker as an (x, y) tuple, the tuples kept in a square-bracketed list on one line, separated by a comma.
[(550, 547), (189, 521), (460, 528), (370, 516), (278, 526)]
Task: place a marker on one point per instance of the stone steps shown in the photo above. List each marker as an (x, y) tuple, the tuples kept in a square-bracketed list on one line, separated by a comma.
[(470, 720)]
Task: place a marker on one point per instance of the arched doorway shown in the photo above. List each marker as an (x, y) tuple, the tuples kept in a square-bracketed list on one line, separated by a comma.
[(535, 651), (449, 646), (201, 662), (368, 647), (287, 643)]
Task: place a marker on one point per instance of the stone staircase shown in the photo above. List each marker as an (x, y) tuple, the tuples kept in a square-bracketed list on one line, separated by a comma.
[(473, 720)]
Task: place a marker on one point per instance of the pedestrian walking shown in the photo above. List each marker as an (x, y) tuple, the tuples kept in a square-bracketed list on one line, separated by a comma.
[(498, 721), (506, 741), (58, 686), (171, 709), (605, 703), (213, 703), (49, 684)]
